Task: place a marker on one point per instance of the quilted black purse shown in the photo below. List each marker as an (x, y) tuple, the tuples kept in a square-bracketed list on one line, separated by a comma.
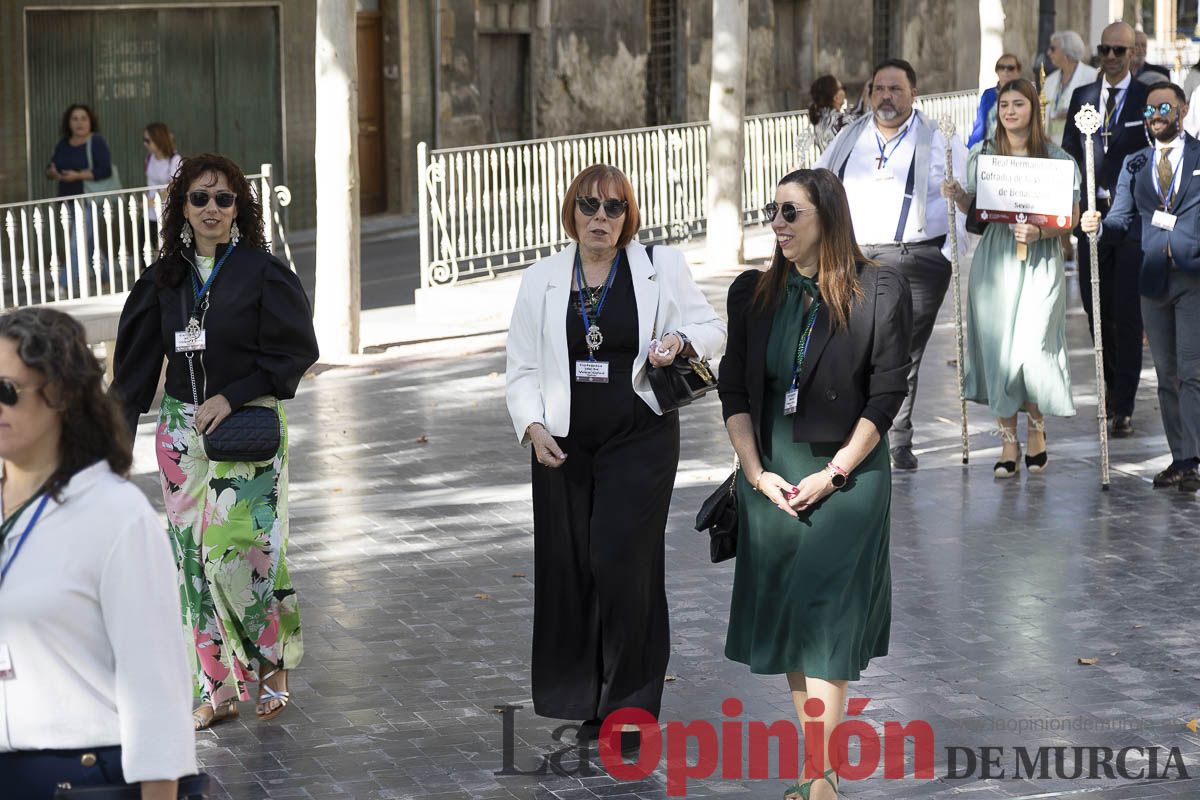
[(719, 516), (191, 787)]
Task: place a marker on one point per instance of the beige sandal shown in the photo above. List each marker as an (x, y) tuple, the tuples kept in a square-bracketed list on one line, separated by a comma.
[(205, 716), (267, 694)]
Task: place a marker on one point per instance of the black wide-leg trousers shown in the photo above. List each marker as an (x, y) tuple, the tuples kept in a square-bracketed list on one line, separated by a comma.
[(600, 634), (1120, 317)]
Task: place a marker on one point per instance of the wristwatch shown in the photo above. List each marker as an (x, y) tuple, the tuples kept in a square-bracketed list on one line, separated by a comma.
[(837, 475), (683, 339)]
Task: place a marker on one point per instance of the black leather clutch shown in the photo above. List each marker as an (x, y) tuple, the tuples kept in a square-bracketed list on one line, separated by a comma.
[(191, 787), (252, 433), (680, 382), (719, 516)]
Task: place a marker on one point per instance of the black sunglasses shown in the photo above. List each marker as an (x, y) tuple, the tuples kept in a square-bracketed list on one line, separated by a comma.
[(789, 210), (1007, 68), (590, 205), (1116, 50), (1162, 108), (200, 199), (10, 393)]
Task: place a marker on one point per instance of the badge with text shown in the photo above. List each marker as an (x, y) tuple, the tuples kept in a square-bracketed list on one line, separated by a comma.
[(6, 667), (1037, 191), (791, 400), (1164, 220), (191, 338), (588, 371)]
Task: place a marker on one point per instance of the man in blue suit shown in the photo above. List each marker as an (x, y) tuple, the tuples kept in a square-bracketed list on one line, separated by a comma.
[(1161, 186), (1120, 99)]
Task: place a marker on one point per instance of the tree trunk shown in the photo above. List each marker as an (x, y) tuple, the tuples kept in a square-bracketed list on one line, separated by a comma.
[(991, 44), (726, 109), (338, 293)]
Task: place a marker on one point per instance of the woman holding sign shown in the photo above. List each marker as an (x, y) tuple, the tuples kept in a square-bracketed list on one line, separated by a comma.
[(1016, 356)]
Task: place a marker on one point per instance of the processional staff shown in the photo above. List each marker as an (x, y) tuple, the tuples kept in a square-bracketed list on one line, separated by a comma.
[(946, 126), (1088, 122)]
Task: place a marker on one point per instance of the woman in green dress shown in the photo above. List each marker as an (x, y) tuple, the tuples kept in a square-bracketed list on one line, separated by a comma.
[(1016, 353), (815, 370)]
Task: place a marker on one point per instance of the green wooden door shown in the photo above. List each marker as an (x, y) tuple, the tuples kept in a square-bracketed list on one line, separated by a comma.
[(211, 74)]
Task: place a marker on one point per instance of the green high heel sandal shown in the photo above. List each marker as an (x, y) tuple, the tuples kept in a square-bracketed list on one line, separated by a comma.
[(801, 791)]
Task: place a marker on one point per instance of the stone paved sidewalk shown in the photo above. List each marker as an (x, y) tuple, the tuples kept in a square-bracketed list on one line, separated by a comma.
[(411, 550)]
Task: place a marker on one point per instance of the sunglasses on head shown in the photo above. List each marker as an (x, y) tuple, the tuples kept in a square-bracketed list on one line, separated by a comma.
[(789, 210), (200, 198), (1162, 108), (590, 205), (1116, 50), (10, 393)]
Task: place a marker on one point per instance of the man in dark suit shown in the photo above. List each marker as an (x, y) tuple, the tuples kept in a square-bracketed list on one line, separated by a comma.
[(1120, 100), (1161, 185)]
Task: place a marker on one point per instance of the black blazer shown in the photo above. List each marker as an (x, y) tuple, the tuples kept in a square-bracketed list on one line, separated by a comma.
[(1128, 133), (859, 371)]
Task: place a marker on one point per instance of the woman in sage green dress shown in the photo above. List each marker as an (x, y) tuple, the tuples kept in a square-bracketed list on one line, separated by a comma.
[(1016, 349), (815, 370)]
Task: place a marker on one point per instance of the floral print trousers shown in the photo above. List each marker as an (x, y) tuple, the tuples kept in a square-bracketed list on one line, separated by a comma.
[(228, 523)]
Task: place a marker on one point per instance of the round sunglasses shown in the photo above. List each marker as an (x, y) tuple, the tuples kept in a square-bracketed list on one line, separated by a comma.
[(1163, 110), (10, 392), (200, 198), (590, 205), (789, 210)]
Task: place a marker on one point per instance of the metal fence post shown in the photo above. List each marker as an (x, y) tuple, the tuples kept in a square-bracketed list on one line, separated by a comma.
[(266, 197), (423, 210)]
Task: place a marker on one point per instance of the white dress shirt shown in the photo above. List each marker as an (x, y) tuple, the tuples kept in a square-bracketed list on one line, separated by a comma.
[(90, 614), (1174, 157), (877, 195), (1122, 89)]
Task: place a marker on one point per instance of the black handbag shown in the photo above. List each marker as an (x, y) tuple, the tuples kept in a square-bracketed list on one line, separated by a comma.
[(719, 516), (191, 787), (683, 380), (252, 433), (974, 224)]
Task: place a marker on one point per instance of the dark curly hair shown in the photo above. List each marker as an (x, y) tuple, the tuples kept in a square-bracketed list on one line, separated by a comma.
[(249, 212), (54, 344), (64, 127)]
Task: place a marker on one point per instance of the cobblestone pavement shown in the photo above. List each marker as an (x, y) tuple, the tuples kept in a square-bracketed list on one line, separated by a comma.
[(411, 550)]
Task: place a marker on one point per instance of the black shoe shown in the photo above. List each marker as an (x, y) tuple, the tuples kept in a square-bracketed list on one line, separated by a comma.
[(1036, 464), (1189, 481), (589, 730), (903, 458), (1171, 476), (1122, 427)]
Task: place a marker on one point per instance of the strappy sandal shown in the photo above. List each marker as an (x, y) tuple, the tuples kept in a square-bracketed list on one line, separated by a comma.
[(1036, 464), (266, 694), (203, 721), (1007, 469), (802, 791)]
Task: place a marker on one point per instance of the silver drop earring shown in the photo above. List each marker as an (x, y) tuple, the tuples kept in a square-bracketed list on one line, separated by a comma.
[(185, 234), (234, 235)]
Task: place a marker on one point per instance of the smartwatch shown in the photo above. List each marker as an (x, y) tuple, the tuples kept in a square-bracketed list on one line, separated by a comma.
[(837, 477)]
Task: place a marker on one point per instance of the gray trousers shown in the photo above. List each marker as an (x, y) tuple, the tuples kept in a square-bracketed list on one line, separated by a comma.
[(928, 274), (1172, 324)]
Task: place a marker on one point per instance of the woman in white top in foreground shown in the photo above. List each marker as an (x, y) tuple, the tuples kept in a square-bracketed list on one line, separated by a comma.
[(95, 687)]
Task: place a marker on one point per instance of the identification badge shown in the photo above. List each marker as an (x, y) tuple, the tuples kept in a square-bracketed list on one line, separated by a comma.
[(1134, 124), (6, 667), (883, 175), (1164, 220), (790, 401), (188, 341), (588, 371)]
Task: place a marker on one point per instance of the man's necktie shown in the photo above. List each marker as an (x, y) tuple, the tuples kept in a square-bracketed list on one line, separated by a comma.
[(1165, 176), (1110, 104)]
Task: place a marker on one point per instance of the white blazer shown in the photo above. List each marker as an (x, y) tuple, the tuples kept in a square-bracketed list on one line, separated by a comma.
[(539, 369)]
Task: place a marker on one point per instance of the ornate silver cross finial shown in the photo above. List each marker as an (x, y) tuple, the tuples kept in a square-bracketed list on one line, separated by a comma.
[(946, 126), (1087, 119)]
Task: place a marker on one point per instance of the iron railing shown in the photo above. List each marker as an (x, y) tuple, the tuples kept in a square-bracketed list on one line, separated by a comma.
[(493, 209)]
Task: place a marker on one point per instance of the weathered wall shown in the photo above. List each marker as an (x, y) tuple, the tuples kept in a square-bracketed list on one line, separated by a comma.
[(1021, 27)]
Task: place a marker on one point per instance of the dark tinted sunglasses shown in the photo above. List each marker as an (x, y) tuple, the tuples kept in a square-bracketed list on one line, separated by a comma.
[(200, 199), (1162, 108), (590, 205), (10, 393), (789, 210), (1116, 50)]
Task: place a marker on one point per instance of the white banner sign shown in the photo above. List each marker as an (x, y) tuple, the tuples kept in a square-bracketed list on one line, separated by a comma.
[(1038, 191)]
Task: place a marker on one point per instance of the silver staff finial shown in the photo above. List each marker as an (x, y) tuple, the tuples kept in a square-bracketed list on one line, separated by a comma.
[(1087, 120), (946, 126)]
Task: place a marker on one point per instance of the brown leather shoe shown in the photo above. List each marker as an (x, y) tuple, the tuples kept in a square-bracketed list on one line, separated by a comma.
[(1122, 427)]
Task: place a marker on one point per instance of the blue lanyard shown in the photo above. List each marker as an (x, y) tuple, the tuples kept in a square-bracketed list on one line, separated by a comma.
[(1170, 198), (583, 310), (196, 288), (1110, 121), (17, 550), (805, 337), (883, 157)]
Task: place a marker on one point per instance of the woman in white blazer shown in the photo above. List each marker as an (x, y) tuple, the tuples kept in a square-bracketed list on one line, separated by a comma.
[(587, 323), (95, 687)]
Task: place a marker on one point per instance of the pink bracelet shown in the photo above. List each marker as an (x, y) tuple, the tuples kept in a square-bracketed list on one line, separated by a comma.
[(837, 469)]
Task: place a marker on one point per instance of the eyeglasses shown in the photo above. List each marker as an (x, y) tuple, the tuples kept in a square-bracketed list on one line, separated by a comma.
[(1007, 68), (1162, 108), (789, 210), (1116, 50), (590, 205), (224, 199), (10, 393)]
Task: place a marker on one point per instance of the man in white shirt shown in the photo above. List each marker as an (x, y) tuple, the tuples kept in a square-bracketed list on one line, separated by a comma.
[(893, 164)]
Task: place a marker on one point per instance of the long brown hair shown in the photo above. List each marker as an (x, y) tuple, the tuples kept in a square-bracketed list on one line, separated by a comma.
[(837, 263), (249, 212), (162, 137), (54, 344), (1037, 138)]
